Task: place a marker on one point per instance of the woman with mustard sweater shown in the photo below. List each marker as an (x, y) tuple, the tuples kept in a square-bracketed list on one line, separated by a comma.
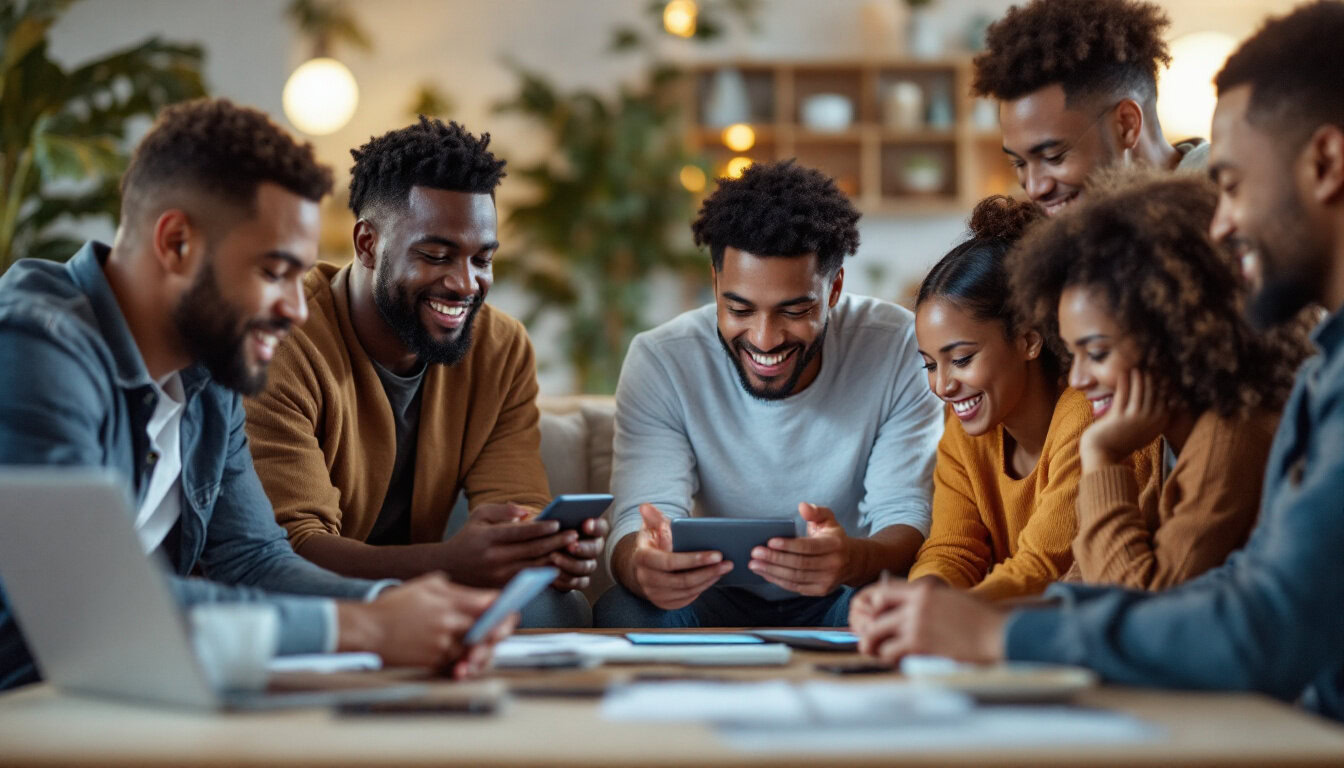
[(1160, 349), (1008, 466)]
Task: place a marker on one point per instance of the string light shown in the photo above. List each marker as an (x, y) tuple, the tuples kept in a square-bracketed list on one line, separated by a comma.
[(737, 166), (739, 137), (692, 178), (679, 17)]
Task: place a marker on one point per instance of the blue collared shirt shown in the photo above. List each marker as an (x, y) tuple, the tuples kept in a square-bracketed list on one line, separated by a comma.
[(1271, 619), (74, 390)]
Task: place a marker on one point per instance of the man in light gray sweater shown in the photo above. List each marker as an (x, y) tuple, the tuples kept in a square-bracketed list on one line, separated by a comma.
[(784, 398)]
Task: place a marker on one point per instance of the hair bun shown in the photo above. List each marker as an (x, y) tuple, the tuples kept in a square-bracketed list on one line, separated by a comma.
[(999, 217)]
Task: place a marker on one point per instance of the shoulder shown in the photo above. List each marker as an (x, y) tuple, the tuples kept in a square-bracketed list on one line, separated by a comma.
[(1072, 415), (864, 314), (496, 334), (696, 327), (318, 344), (44, 315)]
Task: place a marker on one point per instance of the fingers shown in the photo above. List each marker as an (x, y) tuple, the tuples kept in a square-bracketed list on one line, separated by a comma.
[(1120, 397), (596, 527), (811, 546), (658, 560), (815, 514), (802, 582), (587, 549), (532, 549), (535, 529), (1144, 383), (499, 513), (573, 566), (567, 583), (695, 580)]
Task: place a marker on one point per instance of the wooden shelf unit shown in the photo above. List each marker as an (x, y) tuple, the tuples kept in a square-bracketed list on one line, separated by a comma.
[(867, 158)]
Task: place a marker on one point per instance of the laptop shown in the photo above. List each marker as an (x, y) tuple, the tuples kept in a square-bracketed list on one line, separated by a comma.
[(97, 613)]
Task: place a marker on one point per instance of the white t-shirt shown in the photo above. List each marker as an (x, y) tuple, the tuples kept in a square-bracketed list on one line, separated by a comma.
[(861, 439), (162, 502)]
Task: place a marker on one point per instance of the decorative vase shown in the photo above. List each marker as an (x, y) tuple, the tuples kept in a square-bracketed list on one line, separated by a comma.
[(728, 102), (924, 36)]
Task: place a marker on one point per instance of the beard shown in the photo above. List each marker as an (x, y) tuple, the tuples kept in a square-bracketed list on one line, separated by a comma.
[(216, 333), (400, 311), (1290, 277), (763, 393)]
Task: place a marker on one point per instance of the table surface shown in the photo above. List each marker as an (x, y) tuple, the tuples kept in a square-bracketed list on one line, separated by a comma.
[(39, 726)]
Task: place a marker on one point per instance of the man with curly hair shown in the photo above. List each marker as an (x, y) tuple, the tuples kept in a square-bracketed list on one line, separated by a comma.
[(406, 389), (783, 395), (1076, 82), (134, 358), (1268, 620)]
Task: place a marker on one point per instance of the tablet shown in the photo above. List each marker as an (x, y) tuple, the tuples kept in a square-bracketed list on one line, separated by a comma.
[(525, 585), (571, 509), (734, 537)]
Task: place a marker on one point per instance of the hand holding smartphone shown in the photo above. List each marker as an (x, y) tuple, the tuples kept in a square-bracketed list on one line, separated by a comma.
[(572, 509), (521, 589)]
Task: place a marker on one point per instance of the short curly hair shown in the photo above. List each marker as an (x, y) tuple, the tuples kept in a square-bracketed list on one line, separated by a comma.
[(1089, 47), (1295, 72), (1140, 241), (429, 153), (226, 150), (779, 209)]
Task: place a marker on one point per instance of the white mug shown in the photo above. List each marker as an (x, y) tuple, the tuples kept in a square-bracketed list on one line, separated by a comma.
[(234, 642)]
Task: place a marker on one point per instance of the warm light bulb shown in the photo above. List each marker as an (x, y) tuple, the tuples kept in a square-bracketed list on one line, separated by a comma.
[(692, 178), (739, 137), (1185, 93), (320, 97), (679, 17), (737, 166)]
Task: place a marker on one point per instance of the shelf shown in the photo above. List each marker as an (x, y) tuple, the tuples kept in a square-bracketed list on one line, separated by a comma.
[(930, 136)]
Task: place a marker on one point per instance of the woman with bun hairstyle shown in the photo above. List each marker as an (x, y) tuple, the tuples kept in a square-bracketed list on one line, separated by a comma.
[(1007, 471), (1151, 310)]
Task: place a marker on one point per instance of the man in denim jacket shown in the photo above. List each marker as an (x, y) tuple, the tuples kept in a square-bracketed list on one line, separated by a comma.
[(1270, 619), (133, 357)]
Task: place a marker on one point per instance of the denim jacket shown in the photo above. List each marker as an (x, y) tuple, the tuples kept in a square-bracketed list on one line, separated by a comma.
[(1271, 619), (74, 390)]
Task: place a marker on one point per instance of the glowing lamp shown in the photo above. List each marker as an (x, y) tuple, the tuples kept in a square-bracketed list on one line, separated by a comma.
[(320, 97), (739, 137), (692, 178), (679, 17), (1185, 93), (737, 166)]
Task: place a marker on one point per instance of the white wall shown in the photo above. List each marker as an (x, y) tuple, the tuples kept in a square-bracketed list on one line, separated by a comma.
[(460, 46)]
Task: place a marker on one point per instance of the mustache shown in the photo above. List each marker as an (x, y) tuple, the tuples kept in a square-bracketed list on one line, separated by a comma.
[(453, 298), (743, 344), (278, 325)]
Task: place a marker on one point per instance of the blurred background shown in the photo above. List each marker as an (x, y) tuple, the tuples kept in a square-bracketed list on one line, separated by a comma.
[(616, 117)]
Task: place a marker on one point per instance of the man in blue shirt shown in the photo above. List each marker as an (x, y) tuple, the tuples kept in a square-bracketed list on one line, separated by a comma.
[(1270, 619), (133, 357)]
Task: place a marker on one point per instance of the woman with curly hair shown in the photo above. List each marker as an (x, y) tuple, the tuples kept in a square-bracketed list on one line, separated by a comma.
[(1007, 469), (1151, 310)]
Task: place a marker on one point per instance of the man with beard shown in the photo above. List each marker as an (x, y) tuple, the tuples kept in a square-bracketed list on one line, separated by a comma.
[(1076, 82), (1268, 620), (133, 357), (405, 389), (783, 395)]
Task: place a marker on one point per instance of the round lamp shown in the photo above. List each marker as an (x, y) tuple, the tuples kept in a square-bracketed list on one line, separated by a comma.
[(320, 97), (739, 137), (679, 17), (737, 166), (1185, 92)]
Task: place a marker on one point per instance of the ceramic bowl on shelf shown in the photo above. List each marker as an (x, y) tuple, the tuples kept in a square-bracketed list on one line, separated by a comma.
[(828, 112)]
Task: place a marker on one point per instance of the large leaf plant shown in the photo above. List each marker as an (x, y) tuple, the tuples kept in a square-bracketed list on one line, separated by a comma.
[(607, 212), (63, 132)]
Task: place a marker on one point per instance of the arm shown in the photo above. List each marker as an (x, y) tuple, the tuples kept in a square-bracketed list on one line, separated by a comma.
[(1044, 545), (652, 458), (1268, 620), (1212, 514), (957, 551)]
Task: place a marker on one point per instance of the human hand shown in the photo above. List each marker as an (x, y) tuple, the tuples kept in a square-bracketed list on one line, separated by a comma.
[(811, 565), (671, 580), (900, 619), (420, 623), (495, 543), (1136, 417), (578, 561)]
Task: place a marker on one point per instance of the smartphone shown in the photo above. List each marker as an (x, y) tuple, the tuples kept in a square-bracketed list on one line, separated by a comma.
[(525, 585), (472, 705), (855, 669), (571, 509)]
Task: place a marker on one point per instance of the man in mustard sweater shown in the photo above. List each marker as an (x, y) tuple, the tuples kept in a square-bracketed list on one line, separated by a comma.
[(404, 389)]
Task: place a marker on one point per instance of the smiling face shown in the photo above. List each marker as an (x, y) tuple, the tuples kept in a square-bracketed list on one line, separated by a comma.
[(972, 365), (434, 267), (1102, 352), (247, 293), (772, 314), (1054, 147), (1261, 217)]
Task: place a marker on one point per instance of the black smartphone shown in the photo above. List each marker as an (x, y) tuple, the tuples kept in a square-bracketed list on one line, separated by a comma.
[(571, 509), (469, 705), (861, 668)]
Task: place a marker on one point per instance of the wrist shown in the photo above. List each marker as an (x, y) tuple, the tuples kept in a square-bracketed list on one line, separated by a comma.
[(1093, 457), (993, 644), (357, 628)]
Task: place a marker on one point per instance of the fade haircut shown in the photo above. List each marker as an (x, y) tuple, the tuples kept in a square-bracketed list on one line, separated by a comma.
[(1296, 73), (429, 153), (1091, 48), (218, 148), (779, 209)]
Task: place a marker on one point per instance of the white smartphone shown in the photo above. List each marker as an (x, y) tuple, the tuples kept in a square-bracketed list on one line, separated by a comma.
[(525, 585)]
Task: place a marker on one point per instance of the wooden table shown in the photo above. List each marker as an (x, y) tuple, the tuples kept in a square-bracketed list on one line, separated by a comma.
[(39, 726)]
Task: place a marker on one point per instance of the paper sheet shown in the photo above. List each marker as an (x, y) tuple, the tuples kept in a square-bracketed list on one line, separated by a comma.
[(325, 662), (692, 638)]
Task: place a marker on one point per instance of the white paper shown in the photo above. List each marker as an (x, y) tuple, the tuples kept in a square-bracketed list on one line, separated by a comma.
[(985, 728), (780, 702), (617, 650)]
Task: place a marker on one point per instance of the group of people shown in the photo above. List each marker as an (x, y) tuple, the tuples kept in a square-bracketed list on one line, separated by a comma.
[(1103, 436)]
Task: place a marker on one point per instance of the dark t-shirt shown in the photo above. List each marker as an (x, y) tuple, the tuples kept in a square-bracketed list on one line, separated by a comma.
[(393, 525)]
